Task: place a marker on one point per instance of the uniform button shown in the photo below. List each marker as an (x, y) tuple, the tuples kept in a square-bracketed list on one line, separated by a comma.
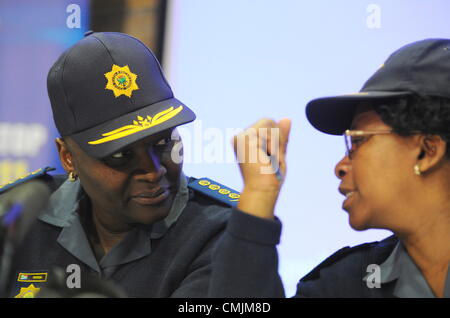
[(88, 33)]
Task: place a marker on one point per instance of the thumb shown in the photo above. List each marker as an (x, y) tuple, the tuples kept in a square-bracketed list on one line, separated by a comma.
[(285, 129)]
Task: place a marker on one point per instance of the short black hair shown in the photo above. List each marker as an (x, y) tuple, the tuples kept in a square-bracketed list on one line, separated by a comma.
[(428, 115)]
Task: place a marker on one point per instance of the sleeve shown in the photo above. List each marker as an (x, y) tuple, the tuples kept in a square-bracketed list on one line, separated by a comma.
[(245, 259), (196, 281), (340, 275)]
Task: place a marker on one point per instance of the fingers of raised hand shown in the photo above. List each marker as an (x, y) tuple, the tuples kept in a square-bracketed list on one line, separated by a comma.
[(264, 142)]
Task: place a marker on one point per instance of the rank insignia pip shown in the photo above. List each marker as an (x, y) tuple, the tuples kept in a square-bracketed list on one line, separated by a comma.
[(216, 190)]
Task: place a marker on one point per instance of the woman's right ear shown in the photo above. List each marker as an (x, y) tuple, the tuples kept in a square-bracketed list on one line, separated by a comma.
[(65, 156)]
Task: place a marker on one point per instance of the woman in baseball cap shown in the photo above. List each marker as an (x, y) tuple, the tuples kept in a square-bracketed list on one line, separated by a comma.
[(395, 175)]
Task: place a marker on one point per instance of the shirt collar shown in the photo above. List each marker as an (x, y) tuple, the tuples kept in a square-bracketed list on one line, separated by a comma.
[(410, 282), (63, 204)]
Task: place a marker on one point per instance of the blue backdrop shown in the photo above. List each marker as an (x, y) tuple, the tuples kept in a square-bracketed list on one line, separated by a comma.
[(32, 36), (235, 61)]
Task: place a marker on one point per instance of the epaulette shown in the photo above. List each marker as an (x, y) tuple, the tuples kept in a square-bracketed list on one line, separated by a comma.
[(315, 273), (32, 175), (215, 190)]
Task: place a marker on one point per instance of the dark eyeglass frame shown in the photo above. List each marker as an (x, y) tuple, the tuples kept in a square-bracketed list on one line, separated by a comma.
[(364, 134)]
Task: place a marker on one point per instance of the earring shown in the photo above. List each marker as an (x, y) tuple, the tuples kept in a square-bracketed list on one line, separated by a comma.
[(417, 170), (72, 176)]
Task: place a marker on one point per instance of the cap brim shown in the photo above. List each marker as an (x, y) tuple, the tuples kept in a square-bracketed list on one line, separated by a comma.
[(110, 137), (333, 115)]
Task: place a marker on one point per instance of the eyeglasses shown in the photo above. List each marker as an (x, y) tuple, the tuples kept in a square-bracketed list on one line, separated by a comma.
[(355, 138)]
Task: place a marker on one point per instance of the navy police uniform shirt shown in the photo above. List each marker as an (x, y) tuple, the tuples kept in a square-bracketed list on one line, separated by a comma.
[(171, 258), (377, 269)]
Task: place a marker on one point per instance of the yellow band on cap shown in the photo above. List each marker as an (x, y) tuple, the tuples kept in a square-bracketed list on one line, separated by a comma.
[(139, 125)]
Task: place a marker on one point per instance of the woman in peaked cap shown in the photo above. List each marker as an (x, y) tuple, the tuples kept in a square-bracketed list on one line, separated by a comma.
[(395, 176), (126, 221)]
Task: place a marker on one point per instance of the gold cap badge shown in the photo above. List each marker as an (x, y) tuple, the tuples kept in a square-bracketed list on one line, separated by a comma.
[(27, 292), (121, 81)]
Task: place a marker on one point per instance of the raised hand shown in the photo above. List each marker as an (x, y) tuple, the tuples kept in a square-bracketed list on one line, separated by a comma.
[(261, 153)]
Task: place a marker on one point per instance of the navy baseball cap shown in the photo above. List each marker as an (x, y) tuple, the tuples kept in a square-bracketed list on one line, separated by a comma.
[(108, 91), (421, 68)]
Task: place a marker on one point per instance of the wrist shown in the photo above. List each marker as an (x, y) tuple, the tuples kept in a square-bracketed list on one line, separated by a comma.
[(258, 202)]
